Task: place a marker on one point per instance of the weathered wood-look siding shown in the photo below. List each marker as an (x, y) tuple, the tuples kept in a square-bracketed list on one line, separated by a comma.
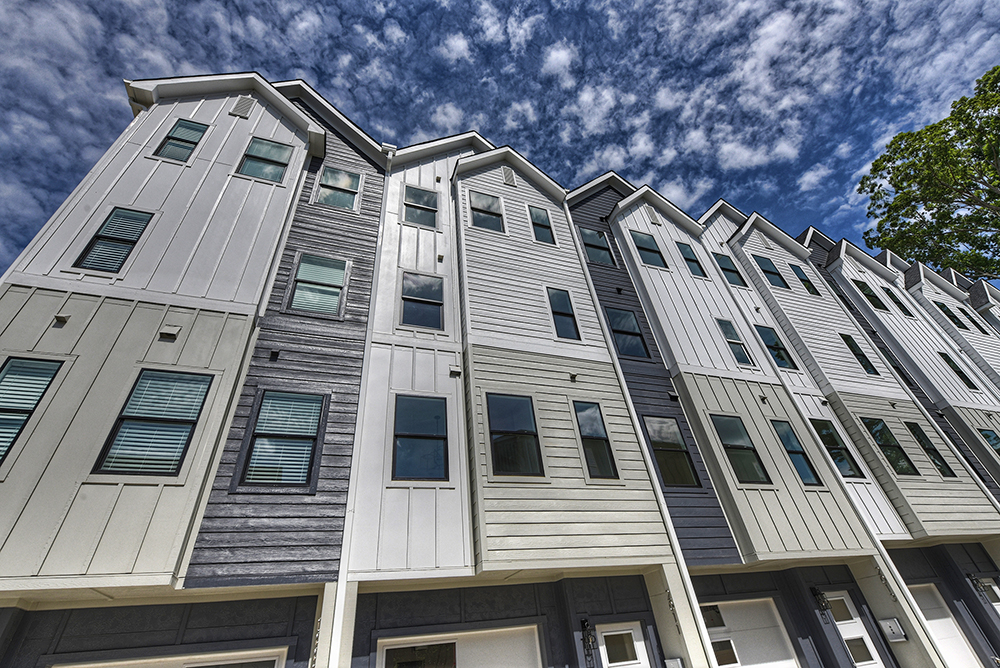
[(59, 519), (210, 224), (785, 519), (697, 516), (262, 538)]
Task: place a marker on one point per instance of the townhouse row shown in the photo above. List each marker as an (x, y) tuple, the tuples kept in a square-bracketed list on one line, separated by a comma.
[(275, 394)]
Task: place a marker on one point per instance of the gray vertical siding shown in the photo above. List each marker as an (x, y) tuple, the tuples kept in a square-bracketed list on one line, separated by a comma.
[(257, 538), (697, 516)]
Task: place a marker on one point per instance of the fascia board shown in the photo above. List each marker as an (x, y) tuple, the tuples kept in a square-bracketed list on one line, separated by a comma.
[(811, 233), (930, 276), (984, 295), (358, 137), (890, 259), (149, 91), (661, 204), (772, 232), (726, 208), (443, 145), (514, 159), (867, 261), (611, 179)]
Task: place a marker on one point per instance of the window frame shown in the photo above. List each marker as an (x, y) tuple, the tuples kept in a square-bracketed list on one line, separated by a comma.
[(841, 445), (610, 450), (13, 449), (870, 295), (933, 454), (737, 342), (894, 298), (869, 429), (859, 355), (534, 225), (421, 207), (951, 315), (286, 306), (318, 188), (168, 136), (472, 209), (729, 446), (639, 250), (996, 435), (794, 366), (402, 298), (614, 334), (225, 653), (727, 271), (493, 475), (698, 485), (968, 316), (393, 480), (959, 372), (804, 279), (284, 171), (571, 314), (607, 247), (801, 451), (772, 273), (129, 257), (693, 259)]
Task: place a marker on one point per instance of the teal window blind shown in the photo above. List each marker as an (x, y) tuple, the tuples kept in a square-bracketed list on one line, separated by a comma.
[(181, 140), (265, 160), (319, 282), (284, 439), (22, 384), (114, 242)]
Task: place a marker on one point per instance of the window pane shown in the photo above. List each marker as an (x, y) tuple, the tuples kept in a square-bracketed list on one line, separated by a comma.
[(430, 288), (424, 198), (890, 447), (804, 279), (24, 381), (623, 321), (992, 438), (652, 258), (490, 221), (729, 269), (175, 150), (188, 130), (859, 355), (125, 224), (424, 656), (539, 216), (559, 301), (321, 270), (412, 214), (339, 198), (516, 454), (596, 246), (620, 647), (731, 431), (280, 461), (543, 234), (675, 468), (728, 330), (270, 150), (664, 432), (290, 414), (725, 655), (870, 295), (630, 345), (778, 352), (804, 468), (424, 416), (712, 616), (859, 650), (419, 459), (421, 314), (510, 413), (485, 202), (649, 252), (262, 170), (153, 448), (588, 415), (897, 301), (319, 298), (740, 353), (958, 371), (770, 271), (566, 326), (600, 462), (747, 466), (691, 259), (932, 452), (106, 255), (163, 394), (337, 178), (10, 427), (840, 611)]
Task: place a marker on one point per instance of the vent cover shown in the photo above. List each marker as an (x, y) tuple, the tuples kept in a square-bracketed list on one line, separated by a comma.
[(651, 212), (242, 107), (508, 175)]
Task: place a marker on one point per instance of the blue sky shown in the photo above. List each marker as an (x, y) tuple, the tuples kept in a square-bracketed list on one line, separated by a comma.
[(778, 107)]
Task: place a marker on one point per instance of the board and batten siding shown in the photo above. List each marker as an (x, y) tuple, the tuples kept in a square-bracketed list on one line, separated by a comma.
[(213, 233), (259, 537), (57, 518), (701, 526)]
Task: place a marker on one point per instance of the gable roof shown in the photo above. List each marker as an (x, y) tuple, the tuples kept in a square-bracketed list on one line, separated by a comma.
[(811, 235), (443, 145), (726, 208), (607, 179), (667, 208), (774, 233), (515, 159), (845, 248)]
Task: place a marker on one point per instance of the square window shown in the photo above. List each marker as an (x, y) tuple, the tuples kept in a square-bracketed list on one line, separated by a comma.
[(747, 466), (625, 330), (181, 140), (23, 382), (595, 243), (420, 206), (318, 284), (540, 225), (339, 188), (729, 270), (991, 438), (649, 252), (423, 301), (735, 342), (725, 653), (771, 272), (779, 353), (620, 648), (265, 160), (284, 439), (670, 452), (562, 314), (420, 441), (114, 242), (889, 446), (691, 259), (596, 444), (513, 436), (486, 211)]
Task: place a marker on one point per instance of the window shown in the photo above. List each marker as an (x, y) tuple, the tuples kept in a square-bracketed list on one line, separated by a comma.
[(958, 371), (837, 291), (735, 342), (842, 457), (596, 444), (774, 346), (739, 448), (729, 270), (671, 453), (796, 453), (486, 211), (890, 447), (713, 617), (513, 436), (114, 242), (932, 453), (318, 284), (968, 316), (540, 225), (420, 206), (894, 298), (438, 655), (596, 245), (625, 330), (955, 320), (649, 252), (725, 653), (265, 160), (806, 283), (771, 272), (420, 444), (691, 259), (562, 314), (339, 188), (622, 644), (870, 295), (423, 301), (284, 439), (22, 384), (992, 438), (181, 140), (859, 354), (154, 428)]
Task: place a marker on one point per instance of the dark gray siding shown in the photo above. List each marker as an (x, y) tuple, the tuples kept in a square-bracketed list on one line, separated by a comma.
[(99, 634), (295, 536), (696, 514)]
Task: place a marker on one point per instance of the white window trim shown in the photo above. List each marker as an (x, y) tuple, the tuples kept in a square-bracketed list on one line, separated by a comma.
[(402, 207), (452, 444), (286, 302), (613, 482), (398, 315), (638, 258), (531, 226), (384, 644), (504, 218), (642, 650), (161, 133), (88, 231), (552, 320), (278, 654), (293, 159), (314, 196)]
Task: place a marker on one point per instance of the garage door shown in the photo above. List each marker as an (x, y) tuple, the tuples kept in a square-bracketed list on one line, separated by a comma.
[(748, 633), (945, 630), (501, 648)]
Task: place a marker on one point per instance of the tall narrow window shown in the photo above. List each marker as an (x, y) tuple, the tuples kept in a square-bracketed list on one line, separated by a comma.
[(870, 295), (486, 211), (955, 320), (420, 444), (729, 269), (625, 330), (423, 301), (318, 284), (771, 272), (265, 160), (513, 436), (735, 342), (339, 188), (420, 206), (894, 298), (670, 451), (154, 429), (958, 371), (691, 259), (114, 242), (562, 314), (22, 384), (774, 346), (540, 225), (890, 447), (843, 298), (932, 453), (992, 438), (739, 448), (796, 453), (284, 439), (181, 140), (596, 245), (596, 444), (968, 316), (649, 252), (842, 457), (804, 279), (859, 354)]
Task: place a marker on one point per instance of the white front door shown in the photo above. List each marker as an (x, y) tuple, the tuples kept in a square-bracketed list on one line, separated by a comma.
[(945, 630), (748, 633), (852, 630)]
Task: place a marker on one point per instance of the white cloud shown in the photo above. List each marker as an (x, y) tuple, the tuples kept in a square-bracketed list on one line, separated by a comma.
[(558, 62), (612, 157), (592, 107), (495, 30), (843, 150), (520, 114), (454, 48), (814, 177), (490, 24), (519, 30), (393, 33), (683, 194), (447, 118), (641, 145), (668, 99)]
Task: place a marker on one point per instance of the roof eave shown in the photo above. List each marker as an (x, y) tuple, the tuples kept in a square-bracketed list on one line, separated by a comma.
[(607, 179), (509, 155), (674, 213)]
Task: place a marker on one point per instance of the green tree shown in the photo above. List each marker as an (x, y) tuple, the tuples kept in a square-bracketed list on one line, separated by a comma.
[(936, 192)]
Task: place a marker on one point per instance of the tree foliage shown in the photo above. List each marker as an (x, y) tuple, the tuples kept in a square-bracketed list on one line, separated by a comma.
[(936, 192)]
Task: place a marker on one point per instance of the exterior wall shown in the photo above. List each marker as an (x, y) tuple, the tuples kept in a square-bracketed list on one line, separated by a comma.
[(702, 529), (58, 518), (261, 536)]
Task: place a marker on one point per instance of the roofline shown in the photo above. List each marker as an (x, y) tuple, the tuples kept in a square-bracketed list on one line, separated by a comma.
[(430, 147), (609, 178), (145, 92), (807, 236), (663, 205), (721, 204), (888, 273), (507, 154), (774, 232), (931, 276)]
